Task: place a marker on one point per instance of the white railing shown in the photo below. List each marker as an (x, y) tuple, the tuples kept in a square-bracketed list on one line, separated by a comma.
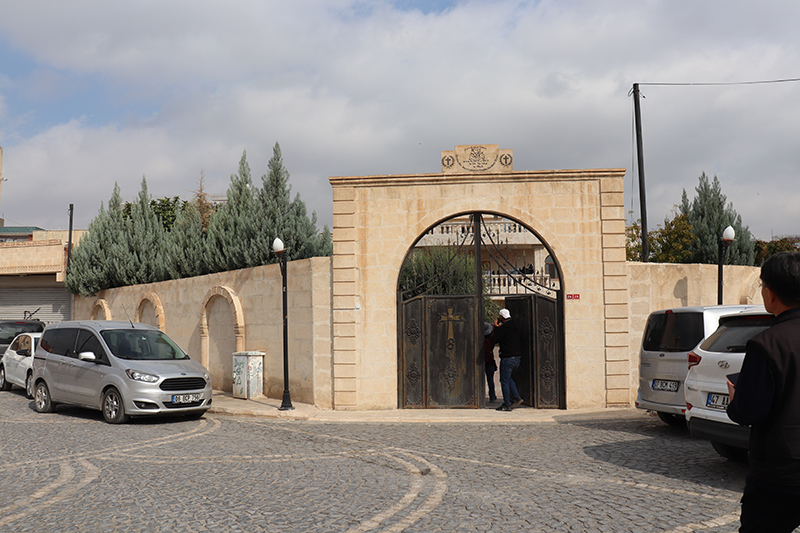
[(520, 284)]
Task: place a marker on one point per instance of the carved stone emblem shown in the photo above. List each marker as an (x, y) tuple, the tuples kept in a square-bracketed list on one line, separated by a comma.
[(480, 158)]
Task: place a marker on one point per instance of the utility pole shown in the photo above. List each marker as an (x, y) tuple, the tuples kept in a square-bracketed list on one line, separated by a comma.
[(69, 237), (640, 158)]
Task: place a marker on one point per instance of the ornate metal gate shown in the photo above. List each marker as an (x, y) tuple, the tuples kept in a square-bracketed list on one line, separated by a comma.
[(440, 327)]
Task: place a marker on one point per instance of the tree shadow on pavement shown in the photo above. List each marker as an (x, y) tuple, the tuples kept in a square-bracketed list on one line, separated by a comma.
[(649, 445)]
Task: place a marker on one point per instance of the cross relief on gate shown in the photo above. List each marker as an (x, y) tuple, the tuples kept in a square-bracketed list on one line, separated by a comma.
[(450, 318)]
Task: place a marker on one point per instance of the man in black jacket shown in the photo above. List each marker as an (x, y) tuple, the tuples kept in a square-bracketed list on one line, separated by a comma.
[(767, 398), (508, 336)]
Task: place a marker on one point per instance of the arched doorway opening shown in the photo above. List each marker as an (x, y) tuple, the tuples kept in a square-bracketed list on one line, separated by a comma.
[(450, 284)]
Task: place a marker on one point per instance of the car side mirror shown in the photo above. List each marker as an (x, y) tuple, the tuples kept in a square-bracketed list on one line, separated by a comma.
[(87, 356), (25, 352)]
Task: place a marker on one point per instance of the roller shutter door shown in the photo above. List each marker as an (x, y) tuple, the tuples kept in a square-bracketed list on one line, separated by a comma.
[(45, 304)]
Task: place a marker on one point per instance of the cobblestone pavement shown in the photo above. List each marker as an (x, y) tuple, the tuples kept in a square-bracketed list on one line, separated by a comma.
[(612, 471)]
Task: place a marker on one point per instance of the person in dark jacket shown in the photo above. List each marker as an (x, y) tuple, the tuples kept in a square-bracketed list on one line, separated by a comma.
[(489, 364), (508, 336), (766, 397)]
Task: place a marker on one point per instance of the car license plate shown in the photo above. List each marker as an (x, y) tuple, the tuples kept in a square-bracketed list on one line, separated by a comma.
[(717, 401), (665, 385), (186, 398)]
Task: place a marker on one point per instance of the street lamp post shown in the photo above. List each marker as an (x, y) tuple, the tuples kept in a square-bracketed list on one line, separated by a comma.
[(286, 404), (724, 242)]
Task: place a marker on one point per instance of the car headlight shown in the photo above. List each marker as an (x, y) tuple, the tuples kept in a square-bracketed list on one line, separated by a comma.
[(141, 376)]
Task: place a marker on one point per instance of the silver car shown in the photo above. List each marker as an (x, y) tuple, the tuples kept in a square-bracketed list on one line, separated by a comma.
[(121, 368)]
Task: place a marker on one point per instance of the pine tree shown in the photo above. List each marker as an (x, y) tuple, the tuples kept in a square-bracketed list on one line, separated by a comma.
[(186, 244), (234, 227), (147, 243), (285, 219), (708, 216), (100, 261), (86, 275)]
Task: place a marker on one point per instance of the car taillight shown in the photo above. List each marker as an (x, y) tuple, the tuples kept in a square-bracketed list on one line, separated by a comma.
[(692, 359), (688, 406)]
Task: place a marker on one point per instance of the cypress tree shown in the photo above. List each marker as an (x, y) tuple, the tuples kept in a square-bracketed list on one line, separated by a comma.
[(233, 228), (101, 259), (147, 244), (186, 244), (287, 219), (708, 216)]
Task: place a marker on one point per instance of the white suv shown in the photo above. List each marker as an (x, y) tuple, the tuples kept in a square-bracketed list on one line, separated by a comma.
[(706, 393), (668, 336)]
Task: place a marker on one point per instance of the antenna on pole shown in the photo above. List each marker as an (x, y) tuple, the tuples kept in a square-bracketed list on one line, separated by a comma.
[(640, 163)]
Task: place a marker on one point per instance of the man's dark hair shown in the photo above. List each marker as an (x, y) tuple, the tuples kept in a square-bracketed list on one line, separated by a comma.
[(781, 273)]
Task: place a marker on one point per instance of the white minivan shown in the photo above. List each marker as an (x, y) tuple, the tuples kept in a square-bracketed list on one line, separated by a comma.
[(669, 335)]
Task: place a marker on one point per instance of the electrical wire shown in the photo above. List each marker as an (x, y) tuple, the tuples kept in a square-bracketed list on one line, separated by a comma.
[(758, 82)]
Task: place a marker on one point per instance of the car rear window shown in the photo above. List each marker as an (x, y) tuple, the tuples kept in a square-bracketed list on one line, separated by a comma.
[(673, 332), (733, 333), (9, 330)]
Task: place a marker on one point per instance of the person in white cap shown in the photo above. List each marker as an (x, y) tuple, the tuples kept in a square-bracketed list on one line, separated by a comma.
[(507, 335)]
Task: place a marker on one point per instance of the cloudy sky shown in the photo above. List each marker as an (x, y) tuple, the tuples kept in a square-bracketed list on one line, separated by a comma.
[(96, 92)]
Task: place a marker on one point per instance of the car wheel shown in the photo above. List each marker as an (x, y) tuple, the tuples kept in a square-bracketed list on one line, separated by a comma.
[(671, 419), (4, 385), (113, 408), (29, 385), (42, 400), (729, 452)]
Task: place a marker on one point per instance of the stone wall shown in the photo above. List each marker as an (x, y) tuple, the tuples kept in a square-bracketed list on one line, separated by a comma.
[(242, 311), (214, 315)]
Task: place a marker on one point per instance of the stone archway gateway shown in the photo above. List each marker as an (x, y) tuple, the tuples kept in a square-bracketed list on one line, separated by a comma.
[(578, 213)]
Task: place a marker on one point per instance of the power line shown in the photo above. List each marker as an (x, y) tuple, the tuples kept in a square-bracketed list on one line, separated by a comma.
[(760, 82)]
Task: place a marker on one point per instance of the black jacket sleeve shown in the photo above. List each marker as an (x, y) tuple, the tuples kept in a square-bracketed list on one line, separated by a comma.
[(752, 397)]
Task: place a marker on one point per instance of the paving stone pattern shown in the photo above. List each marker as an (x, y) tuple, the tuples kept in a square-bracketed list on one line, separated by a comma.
[(624, 471)]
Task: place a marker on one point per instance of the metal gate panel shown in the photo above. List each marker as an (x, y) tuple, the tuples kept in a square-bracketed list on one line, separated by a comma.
[(540, 377), (549, 362), (45, 304), (438, 366), (412, 349), (451, 351)]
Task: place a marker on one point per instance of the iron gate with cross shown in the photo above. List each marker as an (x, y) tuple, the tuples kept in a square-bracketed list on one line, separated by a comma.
[(441, 313)]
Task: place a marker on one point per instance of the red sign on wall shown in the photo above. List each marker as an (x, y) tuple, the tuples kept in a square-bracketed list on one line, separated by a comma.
[(573, 296)]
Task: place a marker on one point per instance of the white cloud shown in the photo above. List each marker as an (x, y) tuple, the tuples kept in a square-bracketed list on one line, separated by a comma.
[(360, 87)]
